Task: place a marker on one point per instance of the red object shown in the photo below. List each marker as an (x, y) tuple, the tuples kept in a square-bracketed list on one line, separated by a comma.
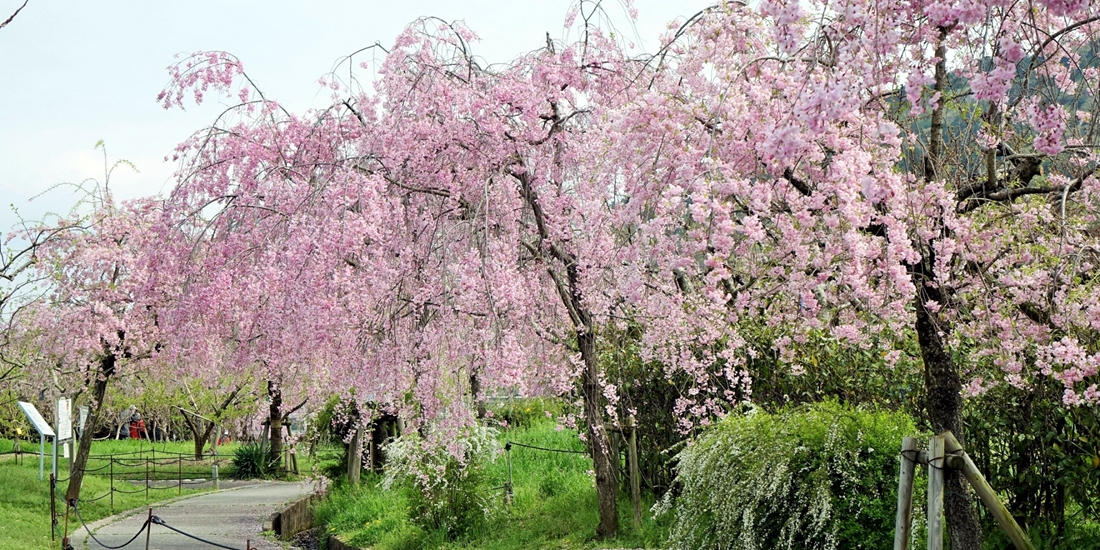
[(133, 430)]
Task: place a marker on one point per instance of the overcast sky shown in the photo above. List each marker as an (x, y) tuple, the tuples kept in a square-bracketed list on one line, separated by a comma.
[(73, 72)]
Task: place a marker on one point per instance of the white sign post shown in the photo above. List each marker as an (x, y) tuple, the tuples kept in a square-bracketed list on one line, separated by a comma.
[(65, 429), (83, 421), (64, 419), (42, 427)]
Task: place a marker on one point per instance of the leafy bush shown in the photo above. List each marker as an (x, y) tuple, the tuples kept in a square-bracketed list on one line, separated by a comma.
[(447, 487), (250, 461), (820, 476)]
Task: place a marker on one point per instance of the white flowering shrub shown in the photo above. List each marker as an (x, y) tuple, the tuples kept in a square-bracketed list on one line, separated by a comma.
[(822, 476), (446, 481)]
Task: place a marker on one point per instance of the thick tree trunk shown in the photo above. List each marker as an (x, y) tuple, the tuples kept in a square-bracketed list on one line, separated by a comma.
[(944, 402), (606, 489), (99, 391), (275, 428)]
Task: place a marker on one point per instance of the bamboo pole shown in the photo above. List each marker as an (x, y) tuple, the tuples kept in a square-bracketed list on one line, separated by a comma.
[(635, 476), (935, 493), (904, 524), (988, 495)]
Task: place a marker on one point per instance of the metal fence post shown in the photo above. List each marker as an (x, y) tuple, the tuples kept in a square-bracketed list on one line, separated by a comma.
[(53, 506)]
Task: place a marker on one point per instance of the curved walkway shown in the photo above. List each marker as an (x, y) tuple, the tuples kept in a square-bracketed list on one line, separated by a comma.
[(229, 518)]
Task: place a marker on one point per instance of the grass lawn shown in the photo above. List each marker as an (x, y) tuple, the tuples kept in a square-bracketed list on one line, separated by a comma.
[(24, 500), (554, 506)]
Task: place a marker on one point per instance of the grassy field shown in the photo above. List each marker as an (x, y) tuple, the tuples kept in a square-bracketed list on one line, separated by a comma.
[(554, 506), (24, 500)]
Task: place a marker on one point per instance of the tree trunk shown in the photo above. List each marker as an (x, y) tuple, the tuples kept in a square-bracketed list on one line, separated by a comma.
[(99, 391), (475, 393), (941, 377), (944, 403), (606, 490), (275, 428)]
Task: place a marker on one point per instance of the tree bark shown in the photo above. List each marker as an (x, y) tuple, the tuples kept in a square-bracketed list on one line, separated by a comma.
[(275, 428), (944, 402), (476, 393), (99, 391), (606, 489)]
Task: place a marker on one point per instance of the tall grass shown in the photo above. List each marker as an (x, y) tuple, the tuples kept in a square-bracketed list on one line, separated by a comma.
[(554, 505)]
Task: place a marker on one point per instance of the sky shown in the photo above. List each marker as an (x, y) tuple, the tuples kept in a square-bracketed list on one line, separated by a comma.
[(75, 72)]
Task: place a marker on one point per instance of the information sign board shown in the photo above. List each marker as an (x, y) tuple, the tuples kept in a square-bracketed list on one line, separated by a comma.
[(36, 419), (64, 419)]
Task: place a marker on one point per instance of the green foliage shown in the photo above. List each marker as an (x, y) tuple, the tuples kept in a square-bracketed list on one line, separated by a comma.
[(822, 367), (525, 412), (327, 435), (1043, 457), (820, 476), (447, 488), (251, 461)]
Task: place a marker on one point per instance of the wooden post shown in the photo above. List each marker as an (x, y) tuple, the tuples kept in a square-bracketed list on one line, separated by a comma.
[(370, 451), (613, 438), (111, 458), (148, 528), (508, 487), (936, 464), (355, 456), (635, 476), (179, 475), (904, 524), (986, 493)]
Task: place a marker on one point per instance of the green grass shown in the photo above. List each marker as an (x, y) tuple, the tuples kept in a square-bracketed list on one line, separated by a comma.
[(554, 505), (25, 503)]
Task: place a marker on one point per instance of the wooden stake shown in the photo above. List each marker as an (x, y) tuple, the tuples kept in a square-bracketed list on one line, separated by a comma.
[(904, 524), (935, 493), (355, 456), (988, 495)]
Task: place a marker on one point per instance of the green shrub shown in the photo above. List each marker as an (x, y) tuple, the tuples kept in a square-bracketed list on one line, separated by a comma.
[(250, 461), (447, 489), (821, 476)]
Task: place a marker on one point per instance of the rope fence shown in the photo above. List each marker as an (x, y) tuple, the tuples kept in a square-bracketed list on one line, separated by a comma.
[(133, 475), (147, 525)]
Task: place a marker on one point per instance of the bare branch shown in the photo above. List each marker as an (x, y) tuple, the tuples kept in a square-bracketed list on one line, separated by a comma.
[(8, 20)]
